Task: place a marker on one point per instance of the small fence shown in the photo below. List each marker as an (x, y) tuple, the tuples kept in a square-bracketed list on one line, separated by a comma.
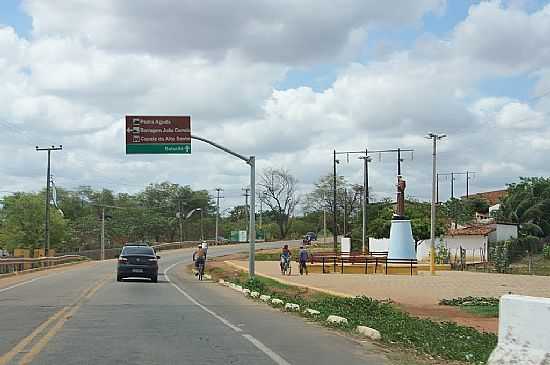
[(377, 259), (17, 264)]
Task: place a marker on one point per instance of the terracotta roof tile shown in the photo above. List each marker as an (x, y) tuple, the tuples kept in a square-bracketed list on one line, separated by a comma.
[(482, 230)]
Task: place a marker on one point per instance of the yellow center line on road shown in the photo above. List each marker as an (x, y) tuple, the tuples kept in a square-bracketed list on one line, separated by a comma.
[(61, 317)]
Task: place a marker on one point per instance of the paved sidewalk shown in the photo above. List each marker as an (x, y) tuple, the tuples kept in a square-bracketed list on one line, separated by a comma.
[(423, 289)]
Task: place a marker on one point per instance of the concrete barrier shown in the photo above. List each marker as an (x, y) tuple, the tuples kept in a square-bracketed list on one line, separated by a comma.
[(265, 298), (522, 331), (254, 294), (277, 301), (246, 292)]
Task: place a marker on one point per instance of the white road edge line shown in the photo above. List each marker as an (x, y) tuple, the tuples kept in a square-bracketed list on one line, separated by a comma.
[(266, 350), (22, 283)]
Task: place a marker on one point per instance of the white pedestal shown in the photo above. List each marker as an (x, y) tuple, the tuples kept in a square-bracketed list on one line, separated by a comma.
[(401, 240)]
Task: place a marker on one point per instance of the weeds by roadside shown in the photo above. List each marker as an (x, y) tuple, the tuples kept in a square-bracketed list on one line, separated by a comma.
[(446, 340), (480, 306)]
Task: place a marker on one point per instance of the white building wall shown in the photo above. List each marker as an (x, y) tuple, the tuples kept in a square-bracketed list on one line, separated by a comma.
[(506, 231), (475, 246), (379, 244)]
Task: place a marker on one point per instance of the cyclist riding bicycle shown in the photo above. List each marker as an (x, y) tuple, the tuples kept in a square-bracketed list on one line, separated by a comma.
[(199, 257), (285, 258)]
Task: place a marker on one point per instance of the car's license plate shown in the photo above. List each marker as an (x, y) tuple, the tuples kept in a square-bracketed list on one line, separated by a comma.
[(137, 270)]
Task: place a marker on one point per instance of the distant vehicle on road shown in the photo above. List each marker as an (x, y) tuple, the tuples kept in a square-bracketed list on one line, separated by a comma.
[(138, 261), (312, 236)]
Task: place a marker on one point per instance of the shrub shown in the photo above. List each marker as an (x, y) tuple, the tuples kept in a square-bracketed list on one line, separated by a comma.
[(546, 251)]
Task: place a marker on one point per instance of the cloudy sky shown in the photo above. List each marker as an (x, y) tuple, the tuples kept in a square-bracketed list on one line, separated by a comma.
[(287, 81)]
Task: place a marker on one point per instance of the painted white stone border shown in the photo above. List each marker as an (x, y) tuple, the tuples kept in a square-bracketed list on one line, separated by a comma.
[(337, 319), (369, 332)]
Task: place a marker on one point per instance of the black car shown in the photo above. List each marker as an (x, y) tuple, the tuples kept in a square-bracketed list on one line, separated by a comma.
[(312, 236), (138, 261)]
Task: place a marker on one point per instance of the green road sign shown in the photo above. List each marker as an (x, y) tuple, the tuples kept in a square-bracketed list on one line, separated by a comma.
[(158, 148), (152, 134)]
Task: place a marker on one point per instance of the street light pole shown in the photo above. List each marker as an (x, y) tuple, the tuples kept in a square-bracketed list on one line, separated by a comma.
[(434, 137)]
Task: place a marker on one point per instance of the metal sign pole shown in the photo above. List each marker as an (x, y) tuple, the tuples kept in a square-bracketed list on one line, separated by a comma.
[(251, 161)]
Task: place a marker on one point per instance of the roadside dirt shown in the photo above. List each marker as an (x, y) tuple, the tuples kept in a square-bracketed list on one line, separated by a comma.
[(444, 313)]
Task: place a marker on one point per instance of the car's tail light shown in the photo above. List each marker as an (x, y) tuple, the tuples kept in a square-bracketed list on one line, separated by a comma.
[(122, 260)]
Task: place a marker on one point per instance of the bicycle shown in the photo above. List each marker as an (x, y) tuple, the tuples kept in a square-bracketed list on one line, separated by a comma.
[(200, 271), (286, 269)]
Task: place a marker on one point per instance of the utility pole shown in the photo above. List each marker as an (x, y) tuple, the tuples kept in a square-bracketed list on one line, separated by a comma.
[(181, 220), (434, 137), (345, 211), (261, 208), (365, 152), (452, 185), (334, 224), (102, 233), (467, 184), (452, 174), (218, 190), (365, 239), (202, 231), (47, 219), (246, 194)]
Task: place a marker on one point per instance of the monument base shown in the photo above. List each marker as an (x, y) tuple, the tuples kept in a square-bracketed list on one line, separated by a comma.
[(401, 240)]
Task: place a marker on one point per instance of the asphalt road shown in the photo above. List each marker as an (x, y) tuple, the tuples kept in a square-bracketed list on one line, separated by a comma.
[(82, 315)]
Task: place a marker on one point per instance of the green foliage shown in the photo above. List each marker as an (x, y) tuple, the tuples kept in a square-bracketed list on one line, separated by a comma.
[(546, 251), (446, 340), (480, 306), (147, 216), (528, 205), (470, 301), (441, 253), (23, 225), (499, 255)]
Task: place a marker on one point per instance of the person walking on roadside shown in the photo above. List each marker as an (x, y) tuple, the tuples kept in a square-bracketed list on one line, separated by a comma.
[(303, 257)]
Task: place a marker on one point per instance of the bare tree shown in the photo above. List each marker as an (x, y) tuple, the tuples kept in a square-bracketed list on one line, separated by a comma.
[(278, 192)]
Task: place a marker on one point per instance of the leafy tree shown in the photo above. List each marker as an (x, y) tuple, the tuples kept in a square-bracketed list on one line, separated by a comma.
[(528, 205), (23, 225)]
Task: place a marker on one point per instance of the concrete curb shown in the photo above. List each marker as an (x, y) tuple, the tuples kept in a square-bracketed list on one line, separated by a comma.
[(254, 294), (277, 301), (311, 312), (265, 298)]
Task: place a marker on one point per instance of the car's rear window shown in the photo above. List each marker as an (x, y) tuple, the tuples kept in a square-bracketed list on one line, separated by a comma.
[(138, 251)]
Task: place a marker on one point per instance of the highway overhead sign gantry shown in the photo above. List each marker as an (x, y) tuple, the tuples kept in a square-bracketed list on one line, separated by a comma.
[(158, 134)]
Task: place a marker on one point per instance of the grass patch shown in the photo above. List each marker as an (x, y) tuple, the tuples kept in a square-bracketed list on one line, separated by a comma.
[(446, 340), (480, 306), (482, 311)]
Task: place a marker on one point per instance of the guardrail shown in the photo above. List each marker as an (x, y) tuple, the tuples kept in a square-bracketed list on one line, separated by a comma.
[(19, 264)]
